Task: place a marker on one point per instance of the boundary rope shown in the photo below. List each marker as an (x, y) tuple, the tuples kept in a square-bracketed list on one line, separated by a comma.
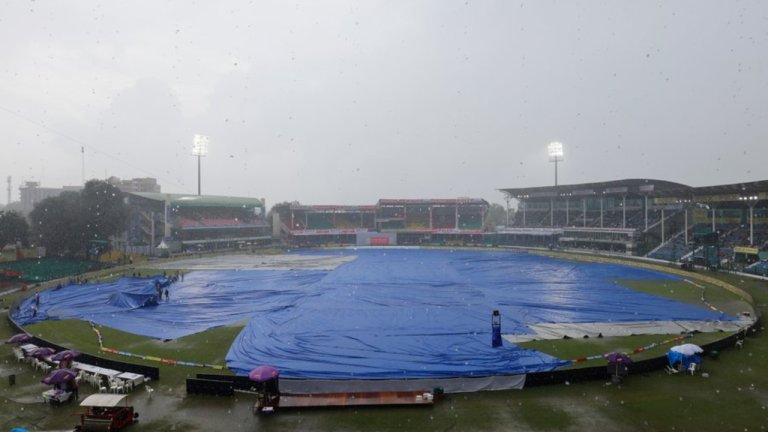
[(163, 360)]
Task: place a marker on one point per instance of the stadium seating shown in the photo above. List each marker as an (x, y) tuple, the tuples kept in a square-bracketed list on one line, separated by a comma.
[(758, 268), (672, 250), (320, 221)]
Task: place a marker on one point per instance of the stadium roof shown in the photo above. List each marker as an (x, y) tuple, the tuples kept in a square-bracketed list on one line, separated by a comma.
[(736, 188), (651, 187), (449, 201), (619, 187), (181, 200), (341, 208)]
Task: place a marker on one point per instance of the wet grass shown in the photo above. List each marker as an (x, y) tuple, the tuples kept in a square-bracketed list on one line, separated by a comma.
[(569, 349), (209, 347), (692, 294)]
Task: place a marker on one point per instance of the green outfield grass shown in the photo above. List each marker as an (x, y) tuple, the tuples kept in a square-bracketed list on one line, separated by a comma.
[(682, 291), (209, 347), (570, 349)]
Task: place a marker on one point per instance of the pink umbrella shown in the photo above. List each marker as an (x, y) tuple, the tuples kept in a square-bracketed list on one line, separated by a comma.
[(263, 373), (65, 355), (59, 376), (42, 352), (19, 338)]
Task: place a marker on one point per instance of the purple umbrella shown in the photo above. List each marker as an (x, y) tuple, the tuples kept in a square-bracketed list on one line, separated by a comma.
[(42, 352), (65, 355), (18, 338), (59, 376), (617, 357), (263, 373)]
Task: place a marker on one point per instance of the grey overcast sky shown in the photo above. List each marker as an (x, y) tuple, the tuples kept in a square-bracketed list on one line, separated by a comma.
[(345, 102)]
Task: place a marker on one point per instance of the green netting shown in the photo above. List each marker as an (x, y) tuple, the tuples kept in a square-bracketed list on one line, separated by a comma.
[(44, 269)]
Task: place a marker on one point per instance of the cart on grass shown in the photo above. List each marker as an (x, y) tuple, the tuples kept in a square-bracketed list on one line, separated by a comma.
[(106, 412)]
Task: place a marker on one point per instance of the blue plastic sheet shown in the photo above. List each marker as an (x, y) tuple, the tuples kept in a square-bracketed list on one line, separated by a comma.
[(132, 300), (205, 299), (413, 313), (390, 313)]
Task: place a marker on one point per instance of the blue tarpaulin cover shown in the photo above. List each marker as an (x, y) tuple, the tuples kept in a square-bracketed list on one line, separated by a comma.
[(390, 313), (132, 300)]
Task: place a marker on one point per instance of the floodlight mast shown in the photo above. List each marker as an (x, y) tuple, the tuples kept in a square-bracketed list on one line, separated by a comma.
[(199, 149), (555, 150)]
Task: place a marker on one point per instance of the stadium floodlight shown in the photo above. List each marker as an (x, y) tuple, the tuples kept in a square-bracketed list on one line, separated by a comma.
[(555, 150), (199, 149)]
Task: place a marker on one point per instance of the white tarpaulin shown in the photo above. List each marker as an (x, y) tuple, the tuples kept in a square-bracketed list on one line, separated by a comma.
[(687, 349), (546, 331)]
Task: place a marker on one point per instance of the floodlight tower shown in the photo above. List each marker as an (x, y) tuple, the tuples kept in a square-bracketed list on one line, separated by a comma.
[(82, 165), (555, 151), (199, 149)]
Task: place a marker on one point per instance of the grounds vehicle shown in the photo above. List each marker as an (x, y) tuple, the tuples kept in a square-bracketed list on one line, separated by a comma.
[(106, 412)]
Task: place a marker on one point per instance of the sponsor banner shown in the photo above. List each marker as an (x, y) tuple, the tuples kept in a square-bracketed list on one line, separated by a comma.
[(456, 231), (364, 230), (532, 231), (622, 189), (328, 231), (433, 231), (746, 250), (379, 241)]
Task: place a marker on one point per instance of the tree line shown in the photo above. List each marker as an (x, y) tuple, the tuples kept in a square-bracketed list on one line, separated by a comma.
[(70, 224)]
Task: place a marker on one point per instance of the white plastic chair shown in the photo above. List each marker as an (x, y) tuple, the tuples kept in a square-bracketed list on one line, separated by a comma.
[(112, 386), (149, 390), (19, 354), (692, 368)]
